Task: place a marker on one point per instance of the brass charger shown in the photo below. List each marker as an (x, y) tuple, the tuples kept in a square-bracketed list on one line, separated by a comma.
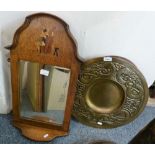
[(111, 92)]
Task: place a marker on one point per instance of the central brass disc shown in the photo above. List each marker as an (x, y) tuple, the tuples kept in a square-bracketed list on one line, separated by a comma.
[(105, 96)]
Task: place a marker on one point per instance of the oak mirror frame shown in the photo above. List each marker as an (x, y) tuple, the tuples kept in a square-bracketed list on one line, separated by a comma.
[(41, 45)]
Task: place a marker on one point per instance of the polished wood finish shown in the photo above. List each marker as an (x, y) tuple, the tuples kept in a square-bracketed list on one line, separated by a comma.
[(38, 133), (45, 39)]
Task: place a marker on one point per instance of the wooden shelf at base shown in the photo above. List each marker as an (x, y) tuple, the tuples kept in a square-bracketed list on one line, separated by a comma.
[(39, 134)]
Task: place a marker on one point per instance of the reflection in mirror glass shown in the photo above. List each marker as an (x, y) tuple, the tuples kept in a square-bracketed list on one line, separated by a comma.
[(43, 92)]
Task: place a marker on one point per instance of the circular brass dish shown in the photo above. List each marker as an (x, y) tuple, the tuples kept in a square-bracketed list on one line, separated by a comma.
[(104, 91), (109, 93)]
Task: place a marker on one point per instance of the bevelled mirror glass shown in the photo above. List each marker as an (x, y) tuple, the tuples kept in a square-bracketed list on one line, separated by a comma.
[(52, 82), (44, 73)]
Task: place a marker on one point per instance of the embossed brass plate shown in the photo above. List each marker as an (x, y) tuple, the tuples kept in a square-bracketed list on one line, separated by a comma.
[(109, 93), (105, 91)]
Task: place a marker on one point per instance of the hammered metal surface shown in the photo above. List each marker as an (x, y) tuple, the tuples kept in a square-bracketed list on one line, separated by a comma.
[(109, 93)]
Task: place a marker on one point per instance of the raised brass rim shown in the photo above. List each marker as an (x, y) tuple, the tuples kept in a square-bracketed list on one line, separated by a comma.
[(122, 115)]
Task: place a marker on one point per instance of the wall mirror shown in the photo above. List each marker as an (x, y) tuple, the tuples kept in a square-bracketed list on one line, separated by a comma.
[(44, 71), (53, 82)]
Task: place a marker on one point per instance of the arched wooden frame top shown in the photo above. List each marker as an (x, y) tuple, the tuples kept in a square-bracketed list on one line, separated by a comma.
[(26, 41), (45, 39)]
